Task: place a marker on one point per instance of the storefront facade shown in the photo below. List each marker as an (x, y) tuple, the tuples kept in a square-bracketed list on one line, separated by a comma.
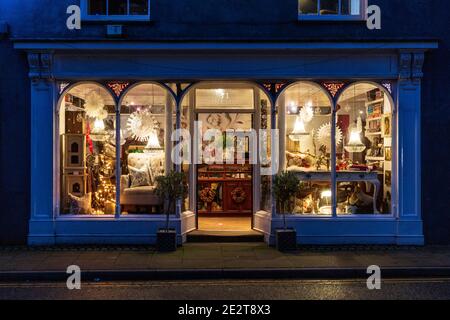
[(347, 114)]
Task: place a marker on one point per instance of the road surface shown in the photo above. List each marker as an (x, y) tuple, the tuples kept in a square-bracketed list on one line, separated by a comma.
[(233, 290)]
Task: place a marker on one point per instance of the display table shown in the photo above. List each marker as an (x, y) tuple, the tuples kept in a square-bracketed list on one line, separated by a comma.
[(344, 176)]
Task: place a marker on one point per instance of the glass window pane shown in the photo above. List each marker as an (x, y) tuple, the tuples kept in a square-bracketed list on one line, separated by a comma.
[(138, 7), (364, 159), (224, 96), (308, 6), (117, 7), (143, 126), (97, 7), (329, 7), (345, 7), (88, 151), (308, 146), (355, 7)]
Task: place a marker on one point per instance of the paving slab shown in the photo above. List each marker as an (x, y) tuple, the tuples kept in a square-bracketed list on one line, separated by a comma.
[(222, 260)]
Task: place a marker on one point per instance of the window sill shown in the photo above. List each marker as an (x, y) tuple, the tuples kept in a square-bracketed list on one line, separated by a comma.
[(117, 20), (331, 19)]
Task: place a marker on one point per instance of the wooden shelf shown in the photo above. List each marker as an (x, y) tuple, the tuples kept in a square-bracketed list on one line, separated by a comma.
[(374, 158), (368, 133), (374, 102)]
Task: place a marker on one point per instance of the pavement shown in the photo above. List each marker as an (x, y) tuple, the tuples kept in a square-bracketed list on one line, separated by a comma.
[(221, 261)]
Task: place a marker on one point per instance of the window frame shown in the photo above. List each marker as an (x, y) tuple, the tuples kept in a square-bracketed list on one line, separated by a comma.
[(85, 16), (335, 17)]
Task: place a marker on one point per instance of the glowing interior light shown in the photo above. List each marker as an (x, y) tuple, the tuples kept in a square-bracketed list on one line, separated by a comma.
[(153, 142), (99, 126), (325, 194), (292, 108), (299, 129), (355, 144)]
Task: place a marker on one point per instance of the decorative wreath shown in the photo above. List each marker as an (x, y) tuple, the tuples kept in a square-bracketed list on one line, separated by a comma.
[(238, 195), (207, 195)]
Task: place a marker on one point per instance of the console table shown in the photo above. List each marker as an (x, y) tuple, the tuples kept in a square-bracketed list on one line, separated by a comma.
[(344, 176)]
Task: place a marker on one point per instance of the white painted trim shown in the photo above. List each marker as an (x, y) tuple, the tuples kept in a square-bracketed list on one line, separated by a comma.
[(335, 17), (114, 18)]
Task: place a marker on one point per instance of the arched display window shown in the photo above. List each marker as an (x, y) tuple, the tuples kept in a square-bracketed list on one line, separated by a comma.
[(146, 120), (86, 129), (364, 113), (306, 121)]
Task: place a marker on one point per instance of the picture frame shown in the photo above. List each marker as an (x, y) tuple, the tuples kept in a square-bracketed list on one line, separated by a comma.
[(387, 177), (386, 125), (388, 154)]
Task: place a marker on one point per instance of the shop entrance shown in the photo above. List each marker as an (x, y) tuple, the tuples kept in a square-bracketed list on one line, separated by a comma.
[(225, 191)]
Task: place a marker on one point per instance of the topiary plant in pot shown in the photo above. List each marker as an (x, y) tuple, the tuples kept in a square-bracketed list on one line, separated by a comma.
[(285, 186), (169, 188)]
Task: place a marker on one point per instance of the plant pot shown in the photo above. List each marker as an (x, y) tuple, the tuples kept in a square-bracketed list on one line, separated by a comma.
[(166, 240), (286, 240)]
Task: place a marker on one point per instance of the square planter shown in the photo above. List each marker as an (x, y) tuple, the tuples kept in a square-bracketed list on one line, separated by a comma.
[(166, 241), (286, 240)]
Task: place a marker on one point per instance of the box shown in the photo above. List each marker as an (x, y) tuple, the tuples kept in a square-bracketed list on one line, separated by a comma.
[(75, 122)]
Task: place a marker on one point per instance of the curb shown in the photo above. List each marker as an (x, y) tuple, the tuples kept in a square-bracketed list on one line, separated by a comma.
[(217, 274)]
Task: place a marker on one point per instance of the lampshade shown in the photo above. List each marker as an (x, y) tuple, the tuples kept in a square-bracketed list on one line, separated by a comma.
[(98, 131), (299, 130), (355, 144), (153, 142)]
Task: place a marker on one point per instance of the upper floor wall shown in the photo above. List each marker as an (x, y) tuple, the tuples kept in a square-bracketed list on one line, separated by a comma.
[(247, 20)]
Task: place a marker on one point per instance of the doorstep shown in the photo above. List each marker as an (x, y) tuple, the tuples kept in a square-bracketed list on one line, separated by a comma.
[(213, 236)]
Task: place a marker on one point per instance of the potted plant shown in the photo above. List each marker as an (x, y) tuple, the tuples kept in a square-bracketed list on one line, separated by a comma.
[(285, 186), (169, 188)]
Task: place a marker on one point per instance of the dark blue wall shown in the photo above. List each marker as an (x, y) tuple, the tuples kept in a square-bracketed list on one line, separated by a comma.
[(14, 145), (249, 20)]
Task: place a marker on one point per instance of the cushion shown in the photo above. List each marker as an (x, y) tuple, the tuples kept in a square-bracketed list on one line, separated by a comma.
[(140, 190), (81, 205), (139, 177)]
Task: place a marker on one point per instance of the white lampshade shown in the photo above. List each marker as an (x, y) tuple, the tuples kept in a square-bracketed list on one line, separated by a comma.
[(299, 130), (355, 144), (153, 142)]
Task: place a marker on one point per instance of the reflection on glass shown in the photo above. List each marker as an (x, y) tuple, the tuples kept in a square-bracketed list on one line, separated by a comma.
[(117, 7), (97, 7), (308, 6), (138, 7), (329, 7)]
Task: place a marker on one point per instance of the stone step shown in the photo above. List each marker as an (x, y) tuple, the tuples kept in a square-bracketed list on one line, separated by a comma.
[(225, 236)]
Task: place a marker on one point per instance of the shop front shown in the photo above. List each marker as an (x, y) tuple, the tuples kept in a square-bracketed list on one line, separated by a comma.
[(106, 121)]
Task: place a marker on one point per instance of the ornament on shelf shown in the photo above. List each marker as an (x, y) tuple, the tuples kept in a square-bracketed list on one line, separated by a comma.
[(95, 106), (142, 125), (323, 136)]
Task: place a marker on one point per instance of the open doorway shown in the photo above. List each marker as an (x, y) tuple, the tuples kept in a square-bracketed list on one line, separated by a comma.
[(225, 191)]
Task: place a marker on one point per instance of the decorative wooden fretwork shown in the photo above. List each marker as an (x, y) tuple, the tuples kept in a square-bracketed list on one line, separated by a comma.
[(333, 87), (63, 86), (118, 87), (274, 87), (388, 86)]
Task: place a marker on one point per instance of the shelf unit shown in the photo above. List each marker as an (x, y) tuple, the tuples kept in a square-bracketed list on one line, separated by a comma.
[(375, 113)]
